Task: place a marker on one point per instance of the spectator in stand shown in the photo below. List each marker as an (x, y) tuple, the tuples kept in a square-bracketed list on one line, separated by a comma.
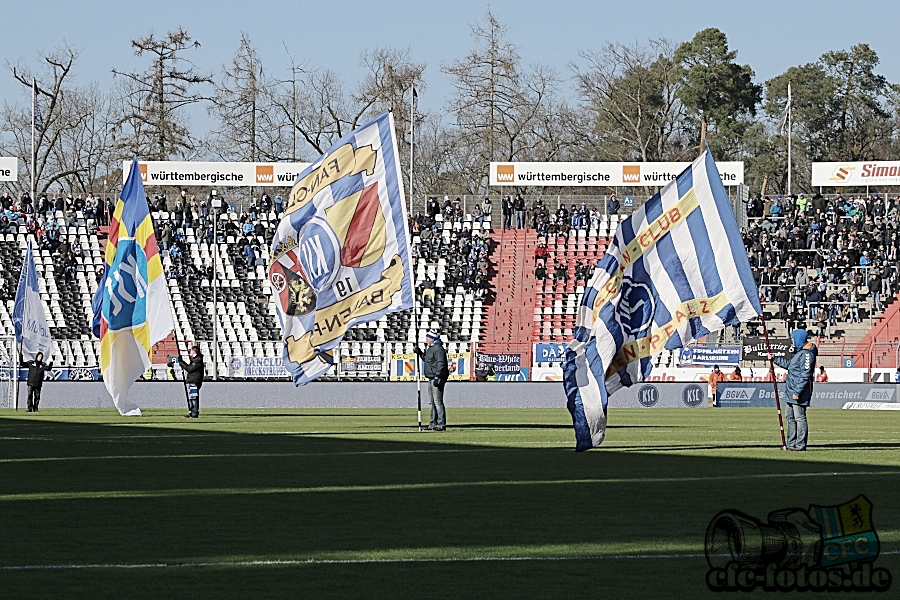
[(821, 322), (612, 205), (580, 271), (822, 377), (519, 208), (506, 208), (540, 272), (249, 256), (487, 208), (541, 252), (537, 207), (560, 273)]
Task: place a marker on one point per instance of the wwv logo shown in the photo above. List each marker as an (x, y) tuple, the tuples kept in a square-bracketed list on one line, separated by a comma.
[(506, 173), (631, 173)]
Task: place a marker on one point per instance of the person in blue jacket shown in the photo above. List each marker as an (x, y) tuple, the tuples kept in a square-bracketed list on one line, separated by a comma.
[(437, 372), (801, 370)]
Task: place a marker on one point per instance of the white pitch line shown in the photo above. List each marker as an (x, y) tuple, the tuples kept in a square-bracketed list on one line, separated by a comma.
[(341, 561), (358, 561)]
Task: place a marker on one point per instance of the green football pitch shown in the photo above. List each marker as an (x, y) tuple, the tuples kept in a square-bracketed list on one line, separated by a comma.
[(359, 504)]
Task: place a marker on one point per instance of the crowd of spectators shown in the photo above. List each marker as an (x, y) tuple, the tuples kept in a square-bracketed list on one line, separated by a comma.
[(241, 235), (465, 251), (46, 219), (822, 259)]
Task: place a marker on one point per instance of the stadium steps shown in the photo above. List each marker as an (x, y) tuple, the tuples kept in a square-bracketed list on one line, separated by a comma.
[(556, 303), (881, 340), (506, 322)]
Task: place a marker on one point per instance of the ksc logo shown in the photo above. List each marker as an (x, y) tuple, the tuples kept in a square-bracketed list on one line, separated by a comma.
[(693, 395), (648, 396)]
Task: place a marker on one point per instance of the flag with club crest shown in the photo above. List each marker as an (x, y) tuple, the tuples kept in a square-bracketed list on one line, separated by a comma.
[(132, 311), (675, 271), (340, 255)]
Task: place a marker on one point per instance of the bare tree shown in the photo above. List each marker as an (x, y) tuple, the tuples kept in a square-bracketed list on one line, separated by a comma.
[(320, 109), (250, 127), (153, 122), (630, 91), (72, 148), (502, 111)]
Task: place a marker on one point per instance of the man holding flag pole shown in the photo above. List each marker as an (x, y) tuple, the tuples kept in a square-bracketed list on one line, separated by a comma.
[(32, 332), (132, 311)]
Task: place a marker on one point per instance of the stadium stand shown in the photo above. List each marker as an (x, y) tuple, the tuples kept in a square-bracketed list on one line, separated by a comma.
[(500, 289)]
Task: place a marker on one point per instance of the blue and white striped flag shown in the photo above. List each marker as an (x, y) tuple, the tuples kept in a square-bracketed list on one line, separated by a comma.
[(675, 271), (28, 317)]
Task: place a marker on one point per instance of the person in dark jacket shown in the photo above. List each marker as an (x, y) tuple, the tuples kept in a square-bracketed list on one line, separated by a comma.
[(801, 370), (36, 370), (437, 372), (193, 376)]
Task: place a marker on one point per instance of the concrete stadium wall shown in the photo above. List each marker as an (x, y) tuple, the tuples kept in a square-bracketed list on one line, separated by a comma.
[(163, 394)]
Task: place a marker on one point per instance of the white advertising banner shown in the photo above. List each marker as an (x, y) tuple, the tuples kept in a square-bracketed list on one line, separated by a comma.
[(873, 172), (609, 174), (9, 168), (217, 174)]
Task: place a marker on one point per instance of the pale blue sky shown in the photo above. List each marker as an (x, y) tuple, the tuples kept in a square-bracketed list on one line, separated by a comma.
[(769, 35)]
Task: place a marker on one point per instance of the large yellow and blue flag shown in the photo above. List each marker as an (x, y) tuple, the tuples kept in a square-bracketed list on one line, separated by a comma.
[(675, 271), (340, 255), (132, 311)]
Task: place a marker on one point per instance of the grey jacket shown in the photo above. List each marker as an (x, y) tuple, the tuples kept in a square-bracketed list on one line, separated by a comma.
[(435, 359), (801, 370)]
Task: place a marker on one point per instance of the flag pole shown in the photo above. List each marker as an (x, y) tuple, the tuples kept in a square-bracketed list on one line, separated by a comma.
[(33, 100), (178, 350), (412, 126), (774, 381), (15, 363), (789, 124)]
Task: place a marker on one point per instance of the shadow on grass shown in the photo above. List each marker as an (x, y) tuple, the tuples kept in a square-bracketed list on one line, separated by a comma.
[(91, 494)]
